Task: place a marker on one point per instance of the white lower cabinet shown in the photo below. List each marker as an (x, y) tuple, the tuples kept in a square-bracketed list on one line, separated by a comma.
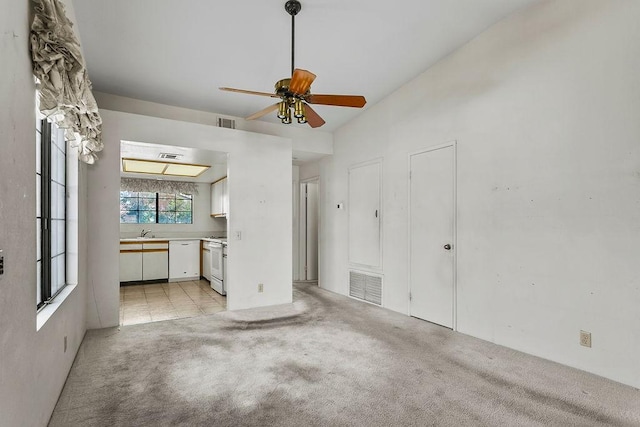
[(184, 260), (155, 261), (130, 265), (144, 261)]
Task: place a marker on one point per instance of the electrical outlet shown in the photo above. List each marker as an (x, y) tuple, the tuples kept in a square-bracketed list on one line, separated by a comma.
[(260, 287), (585, 339), (65, 343)]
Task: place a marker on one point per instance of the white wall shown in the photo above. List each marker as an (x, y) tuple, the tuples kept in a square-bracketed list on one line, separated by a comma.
[(544, 107), (203, 225), (295, 211), (33, 365), (309, 170), (260, 208)]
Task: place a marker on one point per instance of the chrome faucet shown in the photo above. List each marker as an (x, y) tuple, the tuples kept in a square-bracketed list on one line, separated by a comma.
[(144, 232)]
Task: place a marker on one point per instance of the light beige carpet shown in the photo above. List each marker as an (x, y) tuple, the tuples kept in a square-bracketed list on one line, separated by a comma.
[(326, 360)]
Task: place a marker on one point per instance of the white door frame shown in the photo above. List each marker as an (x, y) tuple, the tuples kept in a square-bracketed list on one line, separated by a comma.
[(454, 145), (302, 241)]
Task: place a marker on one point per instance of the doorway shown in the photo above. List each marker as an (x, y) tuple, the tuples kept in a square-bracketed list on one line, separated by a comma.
[(309, 230), (432, 212)]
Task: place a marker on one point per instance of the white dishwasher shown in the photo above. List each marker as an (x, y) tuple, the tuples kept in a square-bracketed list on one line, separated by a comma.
[(184, 260)]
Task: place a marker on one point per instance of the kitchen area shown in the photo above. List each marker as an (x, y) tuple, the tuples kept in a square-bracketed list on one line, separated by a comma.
[(173, 223)]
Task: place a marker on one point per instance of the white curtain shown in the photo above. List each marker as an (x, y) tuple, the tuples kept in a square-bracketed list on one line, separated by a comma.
[(158, 186), (63, 83)]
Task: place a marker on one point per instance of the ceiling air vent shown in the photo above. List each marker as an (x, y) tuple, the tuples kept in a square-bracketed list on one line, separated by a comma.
[(170, 156), (226, 123)]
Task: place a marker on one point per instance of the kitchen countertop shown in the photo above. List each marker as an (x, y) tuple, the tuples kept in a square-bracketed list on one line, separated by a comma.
[(164, 239)]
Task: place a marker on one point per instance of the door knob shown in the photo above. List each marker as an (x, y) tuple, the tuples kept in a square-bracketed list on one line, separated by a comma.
[(447, 247)]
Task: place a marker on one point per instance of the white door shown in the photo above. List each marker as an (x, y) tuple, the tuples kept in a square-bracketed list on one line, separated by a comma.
[(309, 230), (364, 214), (431, 235)]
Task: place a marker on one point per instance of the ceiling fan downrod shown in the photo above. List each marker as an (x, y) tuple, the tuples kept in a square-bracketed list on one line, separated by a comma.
[(293, 7)]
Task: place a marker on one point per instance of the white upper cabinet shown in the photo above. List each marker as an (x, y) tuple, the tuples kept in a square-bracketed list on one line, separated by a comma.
[(219, 198)]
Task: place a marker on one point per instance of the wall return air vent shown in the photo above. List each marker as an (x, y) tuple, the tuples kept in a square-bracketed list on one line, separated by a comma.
[(365, 287), (226, 123)]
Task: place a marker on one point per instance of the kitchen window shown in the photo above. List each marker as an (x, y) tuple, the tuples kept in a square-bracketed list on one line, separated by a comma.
[(51, 207), (155, 208)]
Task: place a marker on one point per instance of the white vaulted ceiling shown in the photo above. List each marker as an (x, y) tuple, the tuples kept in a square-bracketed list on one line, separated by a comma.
[(179, 52)]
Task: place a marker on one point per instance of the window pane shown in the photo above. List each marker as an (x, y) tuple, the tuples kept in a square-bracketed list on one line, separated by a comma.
[(57, 201), (38, 240), (166, 217), (166, 196), (57, 237), (183, 205), (38, 282), (184, 196), (167, 204), (148, 195), (38, 196), (128, 203), (183, 217), (57, 273), (128, 194), (129, 217), (38, 152), (147, 204), (57, 138), (57, 165), (147, 217)]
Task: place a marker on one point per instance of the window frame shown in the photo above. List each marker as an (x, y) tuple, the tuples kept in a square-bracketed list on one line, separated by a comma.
[(157, 209), (45, 215)]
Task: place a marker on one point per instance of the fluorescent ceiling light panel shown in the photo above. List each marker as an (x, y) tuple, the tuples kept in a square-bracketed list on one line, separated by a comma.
[(176, 169), (141, 166), (162, 168)]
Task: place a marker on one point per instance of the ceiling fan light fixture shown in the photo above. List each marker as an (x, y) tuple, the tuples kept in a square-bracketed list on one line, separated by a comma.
[(287, 119), (298, 110), (282, 110), (294, 93)]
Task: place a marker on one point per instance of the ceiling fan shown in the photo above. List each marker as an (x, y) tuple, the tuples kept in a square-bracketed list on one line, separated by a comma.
[(294, 93)]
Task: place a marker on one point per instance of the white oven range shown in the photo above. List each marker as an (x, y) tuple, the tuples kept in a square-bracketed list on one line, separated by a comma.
[(218, 253)]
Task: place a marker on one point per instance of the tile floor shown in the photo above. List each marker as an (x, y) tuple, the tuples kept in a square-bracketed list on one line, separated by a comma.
[(164, 301)]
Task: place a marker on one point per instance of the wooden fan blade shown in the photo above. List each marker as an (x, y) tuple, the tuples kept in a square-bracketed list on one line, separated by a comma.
[(263, 112), (301, 81), (249, 92), (314, 120), (338, 100)]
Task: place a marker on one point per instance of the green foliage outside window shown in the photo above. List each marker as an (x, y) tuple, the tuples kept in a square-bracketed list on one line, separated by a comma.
[(155, 208)]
